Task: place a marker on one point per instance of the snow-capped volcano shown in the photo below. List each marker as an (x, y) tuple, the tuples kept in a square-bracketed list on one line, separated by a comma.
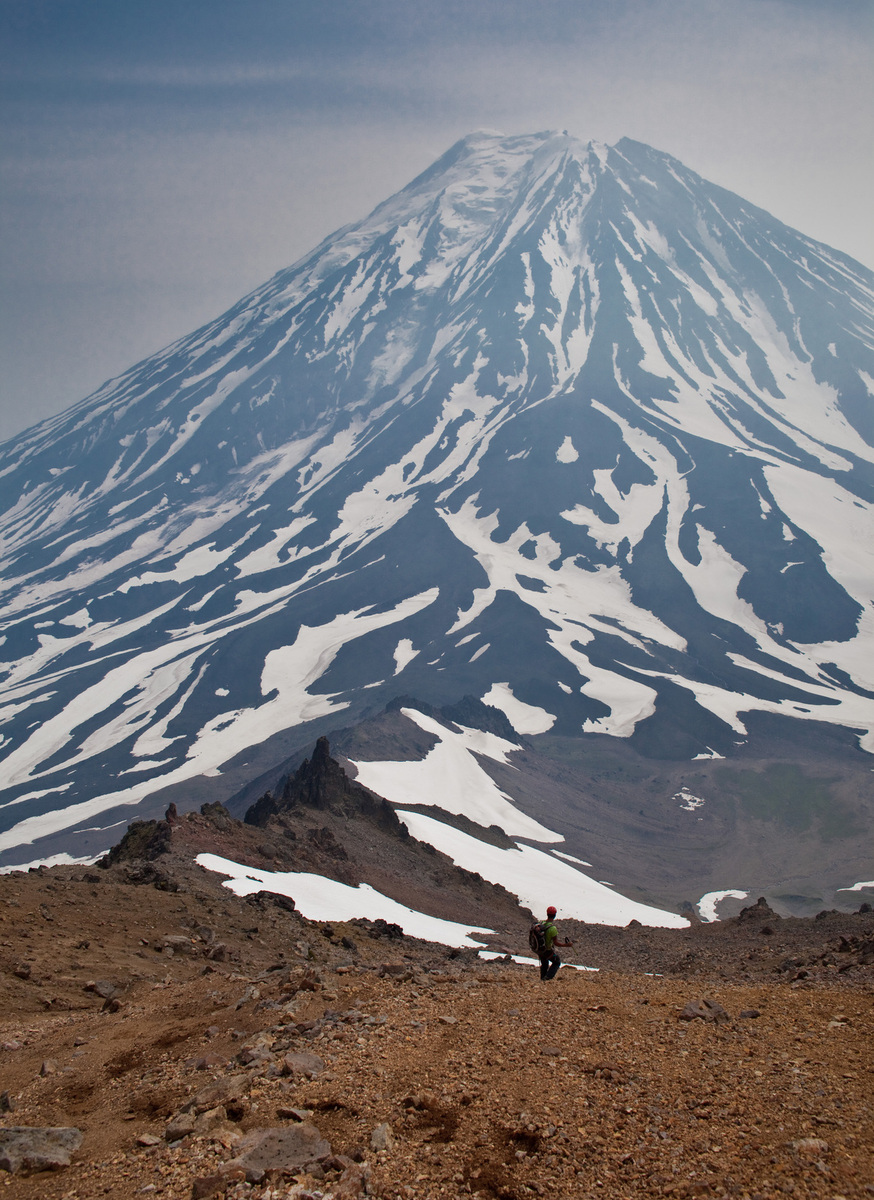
[(560, 425)]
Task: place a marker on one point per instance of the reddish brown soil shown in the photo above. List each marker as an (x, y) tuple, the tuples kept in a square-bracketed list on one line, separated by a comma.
[(492, 1083)]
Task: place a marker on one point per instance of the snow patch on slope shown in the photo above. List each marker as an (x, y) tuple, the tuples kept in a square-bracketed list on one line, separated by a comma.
[(450, 777), (319, 899), (525, 718), (537, 878)]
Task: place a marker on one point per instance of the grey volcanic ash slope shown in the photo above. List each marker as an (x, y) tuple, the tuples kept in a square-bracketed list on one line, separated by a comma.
[(559, 425)]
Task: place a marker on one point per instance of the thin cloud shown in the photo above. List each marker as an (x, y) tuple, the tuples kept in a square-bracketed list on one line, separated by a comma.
[(162, 159)]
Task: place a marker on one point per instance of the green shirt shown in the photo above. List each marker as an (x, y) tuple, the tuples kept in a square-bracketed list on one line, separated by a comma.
[(550, 932)]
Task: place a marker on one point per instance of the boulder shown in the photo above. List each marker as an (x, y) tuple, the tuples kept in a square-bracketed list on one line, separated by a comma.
[(104, 988), (207, 1186), (181, 1126), (810, 1148), (178, 944), (224, 1092)]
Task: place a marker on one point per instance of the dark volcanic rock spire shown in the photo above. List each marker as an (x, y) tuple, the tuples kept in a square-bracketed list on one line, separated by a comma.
[(321, 783)]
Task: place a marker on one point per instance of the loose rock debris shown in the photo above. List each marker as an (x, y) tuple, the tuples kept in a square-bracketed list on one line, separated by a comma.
[(292, 1069)]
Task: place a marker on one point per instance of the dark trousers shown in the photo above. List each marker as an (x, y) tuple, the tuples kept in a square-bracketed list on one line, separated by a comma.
[(549, 964)]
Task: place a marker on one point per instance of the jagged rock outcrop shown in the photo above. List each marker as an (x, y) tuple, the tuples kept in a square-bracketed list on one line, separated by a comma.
[(144, 841), (147, 842), (321, 783), (760, 911)]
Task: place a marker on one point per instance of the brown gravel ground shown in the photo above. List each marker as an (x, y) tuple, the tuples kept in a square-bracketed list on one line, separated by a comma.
[(491, 1083)]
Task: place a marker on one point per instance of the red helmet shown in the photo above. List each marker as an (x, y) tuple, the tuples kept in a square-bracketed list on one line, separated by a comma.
[(550, 912)]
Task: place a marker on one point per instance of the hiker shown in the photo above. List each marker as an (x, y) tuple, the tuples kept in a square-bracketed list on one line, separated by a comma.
[(549, 960)]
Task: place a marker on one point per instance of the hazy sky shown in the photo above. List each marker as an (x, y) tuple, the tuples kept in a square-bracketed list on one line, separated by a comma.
[(160, 158)]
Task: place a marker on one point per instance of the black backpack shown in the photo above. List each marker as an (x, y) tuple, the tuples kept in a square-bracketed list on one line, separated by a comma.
[(537, 938)]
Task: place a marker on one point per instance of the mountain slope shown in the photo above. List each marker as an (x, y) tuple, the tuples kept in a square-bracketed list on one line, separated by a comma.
[(559, 425), (168, 1027)]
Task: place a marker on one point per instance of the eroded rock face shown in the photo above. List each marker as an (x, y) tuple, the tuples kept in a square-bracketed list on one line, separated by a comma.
[(26, 1148)]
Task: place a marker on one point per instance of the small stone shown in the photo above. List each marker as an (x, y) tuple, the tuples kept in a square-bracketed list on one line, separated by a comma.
[(302, 1062), (810, 1147), (49, 1067), (148, 1139), (382, 1138)]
